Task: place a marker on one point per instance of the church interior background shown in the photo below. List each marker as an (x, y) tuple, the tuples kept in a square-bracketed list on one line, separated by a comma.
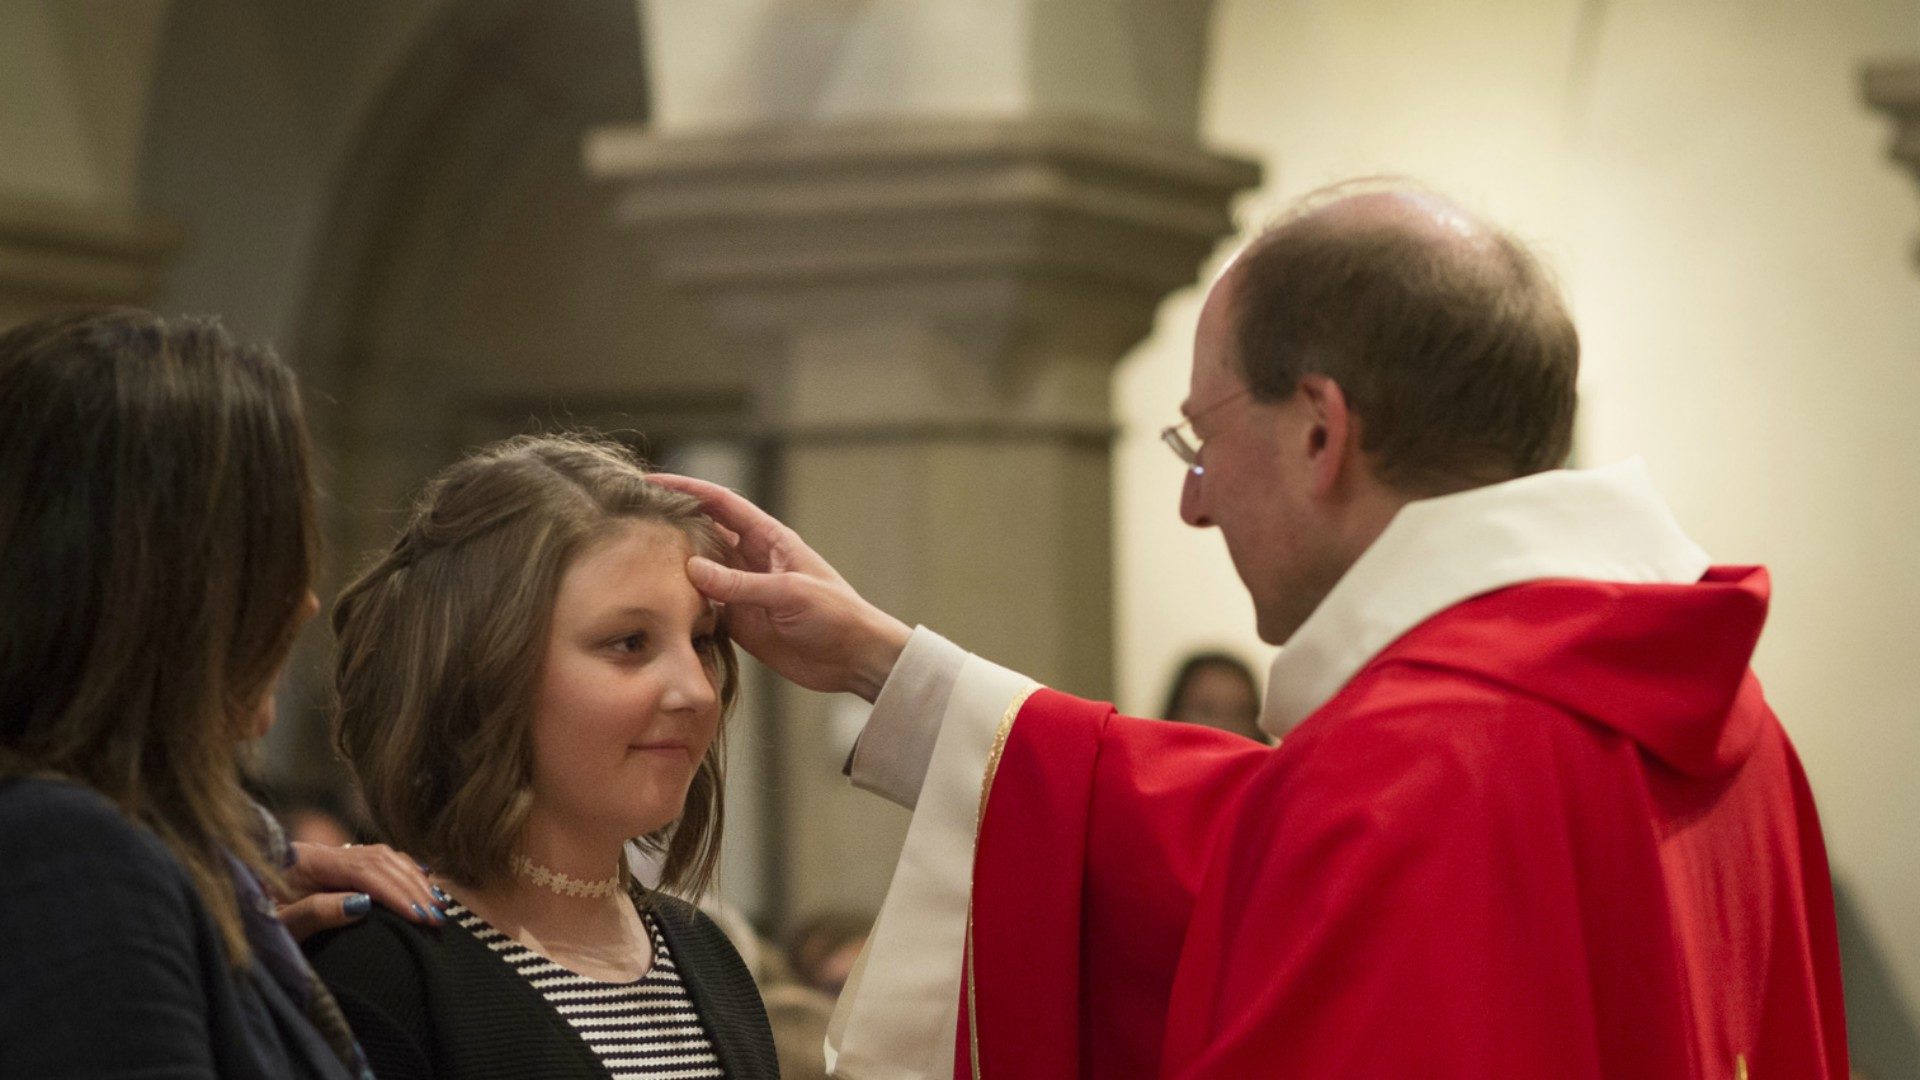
[(922, 276)]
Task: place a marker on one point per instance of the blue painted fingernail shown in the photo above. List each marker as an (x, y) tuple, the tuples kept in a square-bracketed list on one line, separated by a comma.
[(357, 905), (440, 895), (438, 915), (420, 911), (424, 868)]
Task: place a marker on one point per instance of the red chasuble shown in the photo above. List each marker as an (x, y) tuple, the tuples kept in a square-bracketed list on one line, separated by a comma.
[(1554, 831)]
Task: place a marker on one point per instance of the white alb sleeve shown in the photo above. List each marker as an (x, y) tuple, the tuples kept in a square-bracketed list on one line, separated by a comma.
[(890, 759), (897, 1017)]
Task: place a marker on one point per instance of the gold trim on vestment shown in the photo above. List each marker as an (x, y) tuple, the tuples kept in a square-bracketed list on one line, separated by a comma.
[(979, 821)]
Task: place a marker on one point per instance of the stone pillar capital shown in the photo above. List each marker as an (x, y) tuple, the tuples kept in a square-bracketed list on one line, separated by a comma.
[(53, 255), (952, 271), (835, 217)]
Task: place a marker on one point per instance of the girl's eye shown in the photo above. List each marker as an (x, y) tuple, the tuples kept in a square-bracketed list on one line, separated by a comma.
[(631, 643), (705, 643)]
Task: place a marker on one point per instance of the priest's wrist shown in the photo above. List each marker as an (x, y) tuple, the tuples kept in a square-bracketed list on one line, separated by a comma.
[(880, 650)]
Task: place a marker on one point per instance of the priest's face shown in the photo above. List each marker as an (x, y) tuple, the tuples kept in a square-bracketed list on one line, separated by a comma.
[(1253, 483)]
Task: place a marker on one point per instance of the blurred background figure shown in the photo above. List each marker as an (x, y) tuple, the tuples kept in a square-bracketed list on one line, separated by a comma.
[(319, 816), (799, 1015), (820, 954), (1216, 689), (821, 949), (314, 823)]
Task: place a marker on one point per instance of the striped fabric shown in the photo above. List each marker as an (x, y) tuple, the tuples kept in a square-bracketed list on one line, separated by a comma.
[(643, 1030)]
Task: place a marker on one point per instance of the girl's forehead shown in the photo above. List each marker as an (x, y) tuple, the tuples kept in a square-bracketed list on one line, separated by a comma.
[(629, 540), (641, 565)]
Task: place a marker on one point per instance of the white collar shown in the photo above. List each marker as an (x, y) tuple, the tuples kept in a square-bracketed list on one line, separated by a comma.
[(1606, 524)]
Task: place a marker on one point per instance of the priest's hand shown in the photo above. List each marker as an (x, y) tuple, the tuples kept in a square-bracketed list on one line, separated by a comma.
[(786, 605)]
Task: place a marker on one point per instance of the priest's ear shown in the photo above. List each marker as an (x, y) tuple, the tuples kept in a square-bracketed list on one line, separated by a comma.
[(1331, 432)]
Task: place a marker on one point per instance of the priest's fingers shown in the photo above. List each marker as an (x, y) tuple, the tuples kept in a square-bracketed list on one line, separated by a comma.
[(767, 544), (814, 630), (732, 586)]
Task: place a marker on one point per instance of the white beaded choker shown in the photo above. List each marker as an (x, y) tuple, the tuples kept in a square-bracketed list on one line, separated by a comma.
[(564, 884)]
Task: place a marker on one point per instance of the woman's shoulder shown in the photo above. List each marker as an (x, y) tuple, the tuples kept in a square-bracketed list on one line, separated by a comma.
[(376, 950), (382, 969), (402, 965), (109, 947), (38, 804), (65, 829)]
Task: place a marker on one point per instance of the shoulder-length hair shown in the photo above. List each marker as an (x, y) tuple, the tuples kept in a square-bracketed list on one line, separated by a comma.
[(157, 542), (442, 641)]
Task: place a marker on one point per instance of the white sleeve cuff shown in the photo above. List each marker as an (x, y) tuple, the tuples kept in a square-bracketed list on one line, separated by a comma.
[(890, 759)]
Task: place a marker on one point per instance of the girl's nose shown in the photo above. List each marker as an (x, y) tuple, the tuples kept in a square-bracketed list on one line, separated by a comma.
[(691, 687)]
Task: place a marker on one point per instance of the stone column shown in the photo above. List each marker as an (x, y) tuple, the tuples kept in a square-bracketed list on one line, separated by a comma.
[(936, 225), (935, 309), (1893, 87)]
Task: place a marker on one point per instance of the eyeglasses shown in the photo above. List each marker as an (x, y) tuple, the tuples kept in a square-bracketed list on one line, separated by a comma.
[(1183, 447)]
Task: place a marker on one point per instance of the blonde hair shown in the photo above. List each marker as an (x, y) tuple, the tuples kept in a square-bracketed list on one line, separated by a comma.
[(441, 642)]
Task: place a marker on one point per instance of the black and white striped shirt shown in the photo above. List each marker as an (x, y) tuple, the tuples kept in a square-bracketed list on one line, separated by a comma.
[(642, 1030)]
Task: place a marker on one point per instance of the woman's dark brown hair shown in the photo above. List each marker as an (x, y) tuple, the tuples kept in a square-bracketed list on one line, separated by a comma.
[(157, 542), (441, 643), (1193, 665)]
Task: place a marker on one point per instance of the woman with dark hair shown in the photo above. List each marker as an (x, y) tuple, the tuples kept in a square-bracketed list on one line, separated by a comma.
[(157, 548), (1216, 689), (527, 683)]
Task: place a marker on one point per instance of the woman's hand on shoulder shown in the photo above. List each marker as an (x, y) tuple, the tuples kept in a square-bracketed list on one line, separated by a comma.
[(328, 887)]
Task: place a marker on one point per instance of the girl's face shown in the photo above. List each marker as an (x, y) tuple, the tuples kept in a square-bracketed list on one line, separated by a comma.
[(627, 702)]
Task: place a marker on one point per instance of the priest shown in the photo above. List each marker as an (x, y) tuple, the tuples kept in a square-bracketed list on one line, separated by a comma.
[(1530, 814)]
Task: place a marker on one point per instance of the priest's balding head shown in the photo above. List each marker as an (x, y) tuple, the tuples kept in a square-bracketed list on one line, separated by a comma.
[(1377, 345)]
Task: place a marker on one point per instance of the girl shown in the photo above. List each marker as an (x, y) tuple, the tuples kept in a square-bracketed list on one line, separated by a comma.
[(527, 682)]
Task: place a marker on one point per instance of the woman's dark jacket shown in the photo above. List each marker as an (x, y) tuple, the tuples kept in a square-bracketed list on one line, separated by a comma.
[(431, 1002), (110, 964)]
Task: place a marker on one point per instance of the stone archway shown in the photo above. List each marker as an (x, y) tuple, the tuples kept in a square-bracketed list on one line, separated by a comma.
[(402, 210)]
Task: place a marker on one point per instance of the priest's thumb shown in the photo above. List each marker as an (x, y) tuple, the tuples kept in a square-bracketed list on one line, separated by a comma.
[(731, 586)]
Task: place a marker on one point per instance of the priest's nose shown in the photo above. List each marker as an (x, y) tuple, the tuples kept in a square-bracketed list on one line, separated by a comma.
[(1190, 511)]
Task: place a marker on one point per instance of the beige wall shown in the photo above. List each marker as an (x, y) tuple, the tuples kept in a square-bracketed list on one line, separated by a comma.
[(1737, 249), (73, 91)]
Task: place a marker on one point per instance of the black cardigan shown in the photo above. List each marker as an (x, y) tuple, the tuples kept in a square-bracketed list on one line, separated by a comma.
[(437, 1003), (110, 964)]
